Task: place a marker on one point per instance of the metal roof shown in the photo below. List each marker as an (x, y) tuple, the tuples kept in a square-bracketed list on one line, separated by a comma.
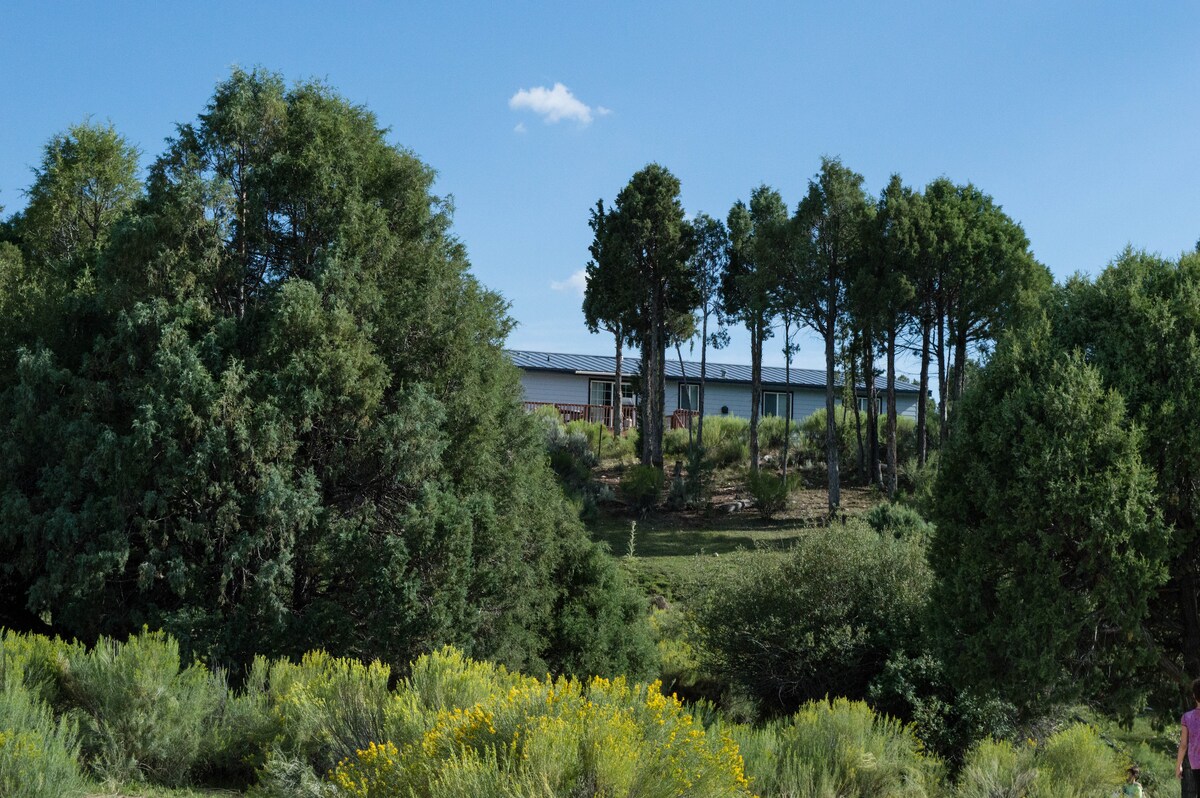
[(605, 365)]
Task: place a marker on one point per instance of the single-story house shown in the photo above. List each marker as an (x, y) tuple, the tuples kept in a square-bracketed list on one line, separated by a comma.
[(581, 386)]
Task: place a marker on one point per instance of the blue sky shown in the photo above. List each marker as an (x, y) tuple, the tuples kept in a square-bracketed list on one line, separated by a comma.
[(1081, 118)]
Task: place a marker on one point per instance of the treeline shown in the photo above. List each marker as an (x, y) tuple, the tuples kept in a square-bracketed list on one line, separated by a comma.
[(939, 273), (259, 402), (1067, 501)]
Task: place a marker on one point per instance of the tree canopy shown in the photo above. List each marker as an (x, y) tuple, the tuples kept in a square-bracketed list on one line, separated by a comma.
[(290, 423)]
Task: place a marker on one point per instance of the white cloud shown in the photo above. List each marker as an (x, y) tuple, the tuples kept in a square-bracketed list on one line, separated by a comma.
[(555, 105), (575, 284), (520, 128)]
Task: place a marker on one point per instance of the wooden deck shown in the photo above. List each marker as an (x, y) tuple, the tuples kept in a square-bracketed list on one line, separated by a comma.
[(597, 414)]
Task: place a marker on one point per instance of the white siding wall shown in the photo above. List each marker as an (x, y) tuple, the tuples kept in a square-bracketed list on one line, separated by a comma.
[(550, 386), (805, 401)]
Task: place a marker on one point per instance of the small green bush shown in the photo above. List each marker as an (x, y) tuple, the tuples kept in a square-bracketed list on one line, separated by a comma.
[(726, 441), (641, 486), (771, 491), (41, 661), (601, 440), (821, 620), (837, 748), (145, 716), (38, 756), (1072, 763), (899, 521), (326, 707)]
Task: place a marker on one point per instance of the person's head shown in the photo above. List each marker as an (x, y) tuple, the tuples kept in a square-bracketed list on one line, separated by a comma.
[(1134, 772), (1196, 691)]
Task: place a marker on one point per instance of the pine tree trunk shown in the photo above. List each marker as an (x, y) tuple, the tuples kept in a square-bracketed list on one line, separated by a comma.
[(618, 421), (893, 478), (756, 344), (874, 475), (922, 421), (858, 433), (703, 361), (831, 449), (942, 376)]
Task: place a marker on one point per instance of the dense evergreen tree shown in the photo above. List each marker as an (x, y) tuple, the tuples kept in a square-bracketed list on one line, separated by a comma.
[(1138, 324), (1048, 547), (291, 423), (708, 264), (831, 219), (609, 302), (751, 276), (646, 224)]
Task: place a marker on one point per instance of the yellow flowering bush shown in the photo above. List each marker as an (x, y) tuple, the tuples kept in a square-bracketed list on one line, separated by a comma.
[(528, 737)]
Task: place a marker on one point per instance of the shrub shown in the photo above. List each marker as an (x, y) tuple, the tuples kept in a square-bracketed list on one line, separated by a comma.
[(326, 707), (490, 732), (726, 441), (37, 754), (821, 620), (840, 748), (40, 660), (601, 440), (1076, 763), (948, 718), (144, 715), (997, 769), (641, 486), (771, 491), (899, 521), (1072, 763), (771, 434)]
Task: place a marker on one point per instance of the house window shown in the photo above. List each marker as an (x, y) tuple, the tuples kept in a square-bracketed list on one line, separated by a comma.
[(689, 396), (863, 402), (776, 403), (600, 392)]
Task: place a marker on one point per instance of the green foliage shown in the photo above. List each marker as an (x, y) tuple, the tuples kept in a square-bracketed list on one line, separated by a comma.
[(1072, 763), (1047, 540), (277, 415), (610, 447), (840, 748), (771, 491), (822, 620), (726, 441), (1138, 324), (324, 708), (642, 486), (948, 718), (898, 520), (145, 716), (813, 431), (38, 755)]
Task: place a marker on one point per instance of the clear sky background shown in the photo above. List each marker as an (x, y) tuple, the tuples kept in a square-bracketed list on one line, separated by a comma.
[(1082, 119)]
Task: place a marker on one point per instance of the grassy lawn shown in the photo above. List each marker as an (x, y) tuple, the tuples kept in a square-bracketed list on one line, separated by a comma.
[(674, 551)]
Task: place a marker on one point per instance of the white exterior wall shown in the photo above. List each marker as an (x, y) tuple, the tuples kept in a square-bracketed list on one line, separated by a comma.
[(551, 386), (736, 396)]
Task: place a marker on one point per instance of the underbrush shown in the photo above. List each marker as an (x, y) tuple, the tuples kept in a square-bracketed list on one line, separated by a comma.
[(326, 727)]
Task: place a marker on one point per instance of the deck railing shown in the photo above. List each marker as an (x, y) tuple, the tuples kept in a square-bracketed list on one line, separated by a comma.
[(684, 419), (597, 414)]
